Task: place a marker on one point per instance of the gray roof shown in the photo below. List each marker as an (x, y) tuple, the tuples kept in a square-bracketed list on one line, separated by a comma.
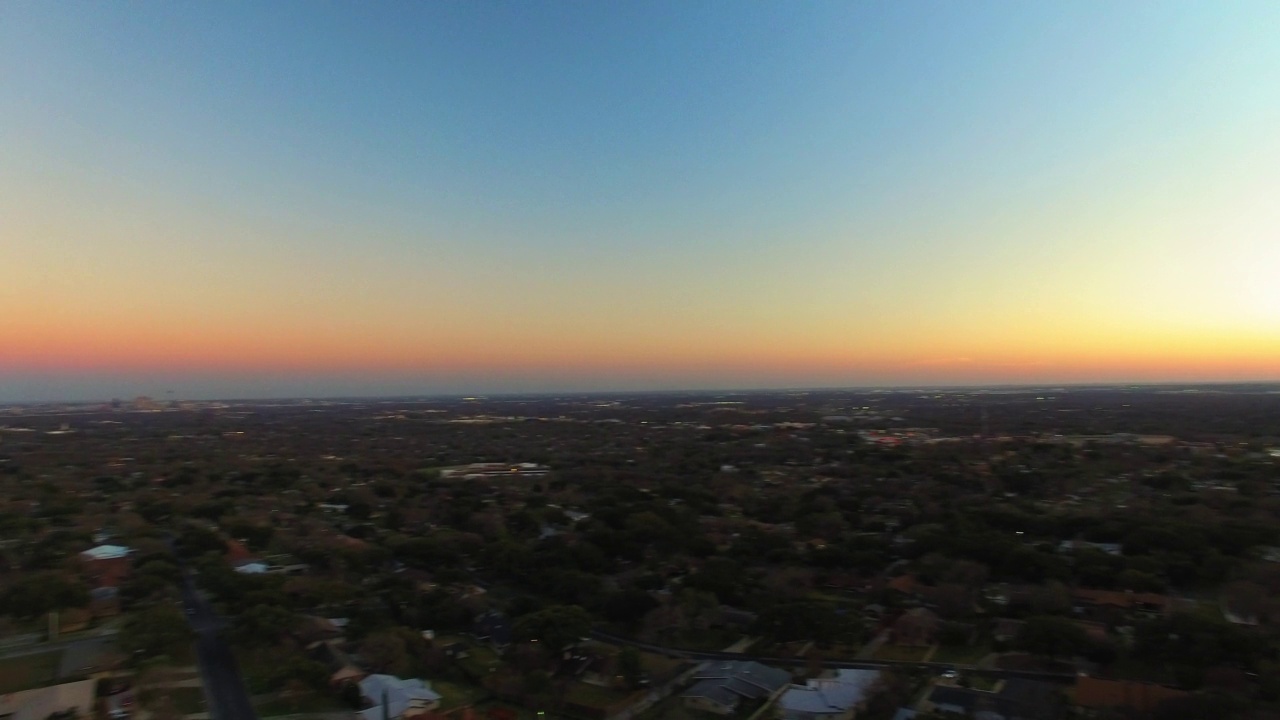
[(830, 696), (713, 690), (400, 695), (747, 672), (727, 682)]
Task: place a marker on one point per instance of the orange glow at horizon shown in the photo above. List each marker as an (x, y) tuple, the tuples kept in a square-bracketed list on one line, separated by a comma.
[(1151, 356)]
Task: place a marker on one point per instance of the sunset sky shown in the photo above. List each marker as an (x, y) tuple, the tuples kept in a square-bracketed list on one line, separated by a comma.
[(252, 199)]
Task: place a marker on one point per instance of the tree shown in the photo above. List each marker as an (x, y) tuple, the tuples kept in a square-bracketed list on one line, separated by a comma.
[(157, 630), (628, 607), (1053, 636), (42, 593), (558, 626), (262, 624), (195, 541), (630, 667), (385, 651), (698, 607)]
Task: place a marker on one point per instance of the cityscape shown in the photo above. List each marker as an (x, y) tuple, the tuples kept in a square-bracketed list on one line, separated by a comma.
[(1027, 552), (640, 360)]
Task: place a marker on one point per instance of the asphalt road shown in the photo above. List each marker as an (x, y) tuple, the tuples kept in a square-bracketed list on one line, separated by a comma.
[(223, 687)]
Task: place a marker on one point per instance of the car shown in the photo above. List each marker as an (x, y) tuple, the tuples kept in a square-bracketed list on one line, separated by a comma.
[(950, 674)]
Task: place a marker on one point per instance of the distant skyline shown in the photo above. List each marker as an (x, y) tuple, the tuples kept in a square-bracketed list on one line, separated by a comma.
[(324, 199)]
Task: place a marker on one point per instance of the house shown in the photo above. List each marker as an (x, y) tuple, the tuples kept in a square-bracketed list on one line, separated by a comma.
[(1097, 693), (493, 628), (107, 565), (76, 698), (918, 626), (1016, 700), (394, 698), (722, 686), (837, 698)]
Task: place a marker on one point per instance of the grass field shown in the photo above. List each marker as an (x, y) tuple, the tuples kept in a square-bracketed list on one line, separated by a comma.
[(961, 654), (673, 708), (456, 694), (310, 704), (479, 661), (901, 653), (187, 700), (27, 671), (521, 713), (982, 682), (594, 695), (660, 667)]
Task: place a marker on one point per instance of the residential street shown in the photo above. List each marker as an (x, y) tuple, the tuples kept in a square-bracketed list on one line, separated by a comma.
[(224, 688)]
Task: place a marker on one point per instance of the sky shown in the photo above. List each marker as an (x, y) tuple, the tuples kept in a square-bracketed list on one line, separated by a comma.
[(246, 199)]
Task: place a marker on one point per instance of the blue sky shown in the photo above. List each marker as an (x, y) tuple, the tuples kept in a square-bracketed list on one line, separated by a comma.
[(651, 193)]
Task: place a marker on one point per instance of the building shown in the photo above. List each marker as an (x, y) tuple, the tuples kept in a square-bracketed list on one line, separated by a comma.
[(722, 686), (107, 565), (837, 698), (394, 698), (1097, 693)]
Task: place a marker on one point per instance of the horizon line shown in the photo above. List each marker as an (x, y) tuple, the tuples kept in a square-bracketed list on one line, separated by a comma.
[(676, 391)]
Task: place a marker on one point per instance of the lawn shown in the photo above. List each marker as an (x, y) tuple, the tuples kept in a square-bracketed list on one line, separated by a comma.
[(673, 708), (660, 667), (456, 694), (186, 700), (479, 661), (901, 653), (316, 703), (521, 713), (27, 671), (961, 654), (983, 682), (594, 695)]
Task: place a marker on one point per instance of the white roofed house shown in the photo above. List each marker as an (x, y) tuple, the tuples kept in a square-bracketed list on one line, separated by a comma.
[(837, 698), (394, 698)]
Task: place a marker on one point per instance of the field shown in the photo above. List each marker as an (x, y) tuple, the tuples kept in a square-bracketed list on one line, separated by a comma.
[(27, 671), (594, 695), (961, 654), (673, 708), (982, 682), (454, 695), (307, 704), (479, 661), (660, 667), (901, 653)]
